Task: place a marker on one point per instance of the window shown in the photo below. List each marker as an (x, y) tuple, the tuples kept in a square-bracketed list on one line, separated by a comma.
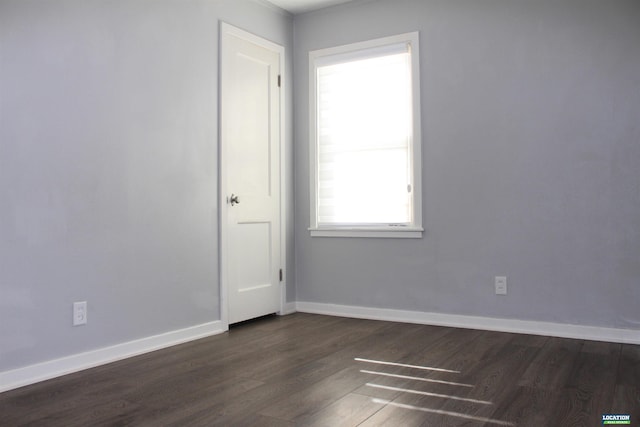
[(365, 139)]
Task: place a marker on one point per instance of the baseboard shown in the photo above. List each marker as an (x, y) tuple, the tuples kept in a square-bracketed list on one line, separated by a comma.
[(43, 371), (54, 368), (625, 336), (288, 308)]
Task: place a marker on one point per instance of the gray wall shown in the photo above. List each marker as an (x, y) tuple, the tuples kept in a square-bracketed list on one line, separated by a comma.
[(531, 162), (108, 168)]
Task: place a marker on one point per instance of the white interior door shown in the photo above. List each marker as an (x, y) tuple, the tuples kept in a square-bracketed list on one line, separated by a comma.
[(250, 175)]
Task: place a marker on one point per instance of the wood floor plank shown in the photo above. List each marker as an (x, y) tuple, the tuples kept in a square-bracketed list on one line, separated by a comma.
[(626, 396), (310, 347), (588, 391), (493, 382), (629, 365), (350, 410), (183, 401), (446, 372), (449, 352), (390, 340), (51, 400), (315, 397), (397, 415), (314, 370), (552, 365), (527, 407), (626, 401)]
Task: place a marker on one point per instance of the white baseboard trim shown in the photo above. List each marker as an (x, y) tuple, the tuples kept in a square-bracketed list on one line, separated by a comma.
[(625, 336), (77, 362), (20, 377), (288, 308)]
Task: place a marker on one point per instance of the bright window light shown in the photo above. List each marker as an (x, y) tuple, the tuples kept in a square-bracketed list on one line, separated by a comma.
[(365, 154), (364, 123), (442, 412), (404, 365), (410, 377)]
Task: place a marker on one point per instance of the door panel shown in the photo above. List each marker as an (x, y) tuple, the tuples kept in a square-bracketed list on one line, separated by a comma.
[(250, 168), (254, 239)]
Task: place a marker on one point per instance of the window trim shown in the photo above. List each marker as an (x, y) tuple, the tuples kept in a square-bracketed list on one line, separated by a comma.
[(413, 230)]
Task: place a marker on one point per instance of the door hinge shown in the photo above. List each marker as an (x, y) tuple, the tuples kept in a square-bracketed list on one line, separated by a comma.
[(279, 80), (281, 275)]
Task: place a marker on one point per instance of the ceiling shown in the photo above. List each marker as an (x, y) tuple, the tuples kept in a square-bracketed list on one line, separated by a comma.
[(301, 6)]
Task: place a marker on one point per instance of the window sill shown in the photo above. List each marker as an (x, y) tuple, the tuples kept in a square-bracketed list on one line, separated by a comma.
[(394, 233)]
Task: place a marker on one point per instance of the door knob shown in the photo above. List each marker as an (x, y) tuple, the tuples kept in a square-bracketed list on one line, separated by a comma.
[(234, 200)]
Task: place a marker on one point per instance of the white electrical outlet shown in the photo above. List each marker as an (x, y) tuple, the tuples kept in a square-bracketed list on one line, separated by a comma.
[(79, 313), (501, 285)]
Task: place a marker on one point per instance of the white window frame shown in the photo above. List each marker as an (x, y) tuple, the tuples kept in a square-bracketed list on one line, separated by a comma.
[(413, 230)]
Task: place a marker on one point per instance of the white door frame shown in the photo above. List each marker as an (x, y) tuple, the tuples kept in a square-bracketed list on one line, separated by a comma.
[(222, 174)]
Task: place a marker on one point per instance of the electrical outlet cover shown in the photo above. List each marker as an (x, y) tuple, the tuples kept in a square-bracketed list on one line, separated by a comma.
[(79, 313), (501, 285)]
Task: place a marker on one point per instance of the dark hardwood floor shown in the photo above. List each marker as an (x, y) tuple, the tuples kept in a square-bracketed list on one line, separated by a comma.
[(312, 370)]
